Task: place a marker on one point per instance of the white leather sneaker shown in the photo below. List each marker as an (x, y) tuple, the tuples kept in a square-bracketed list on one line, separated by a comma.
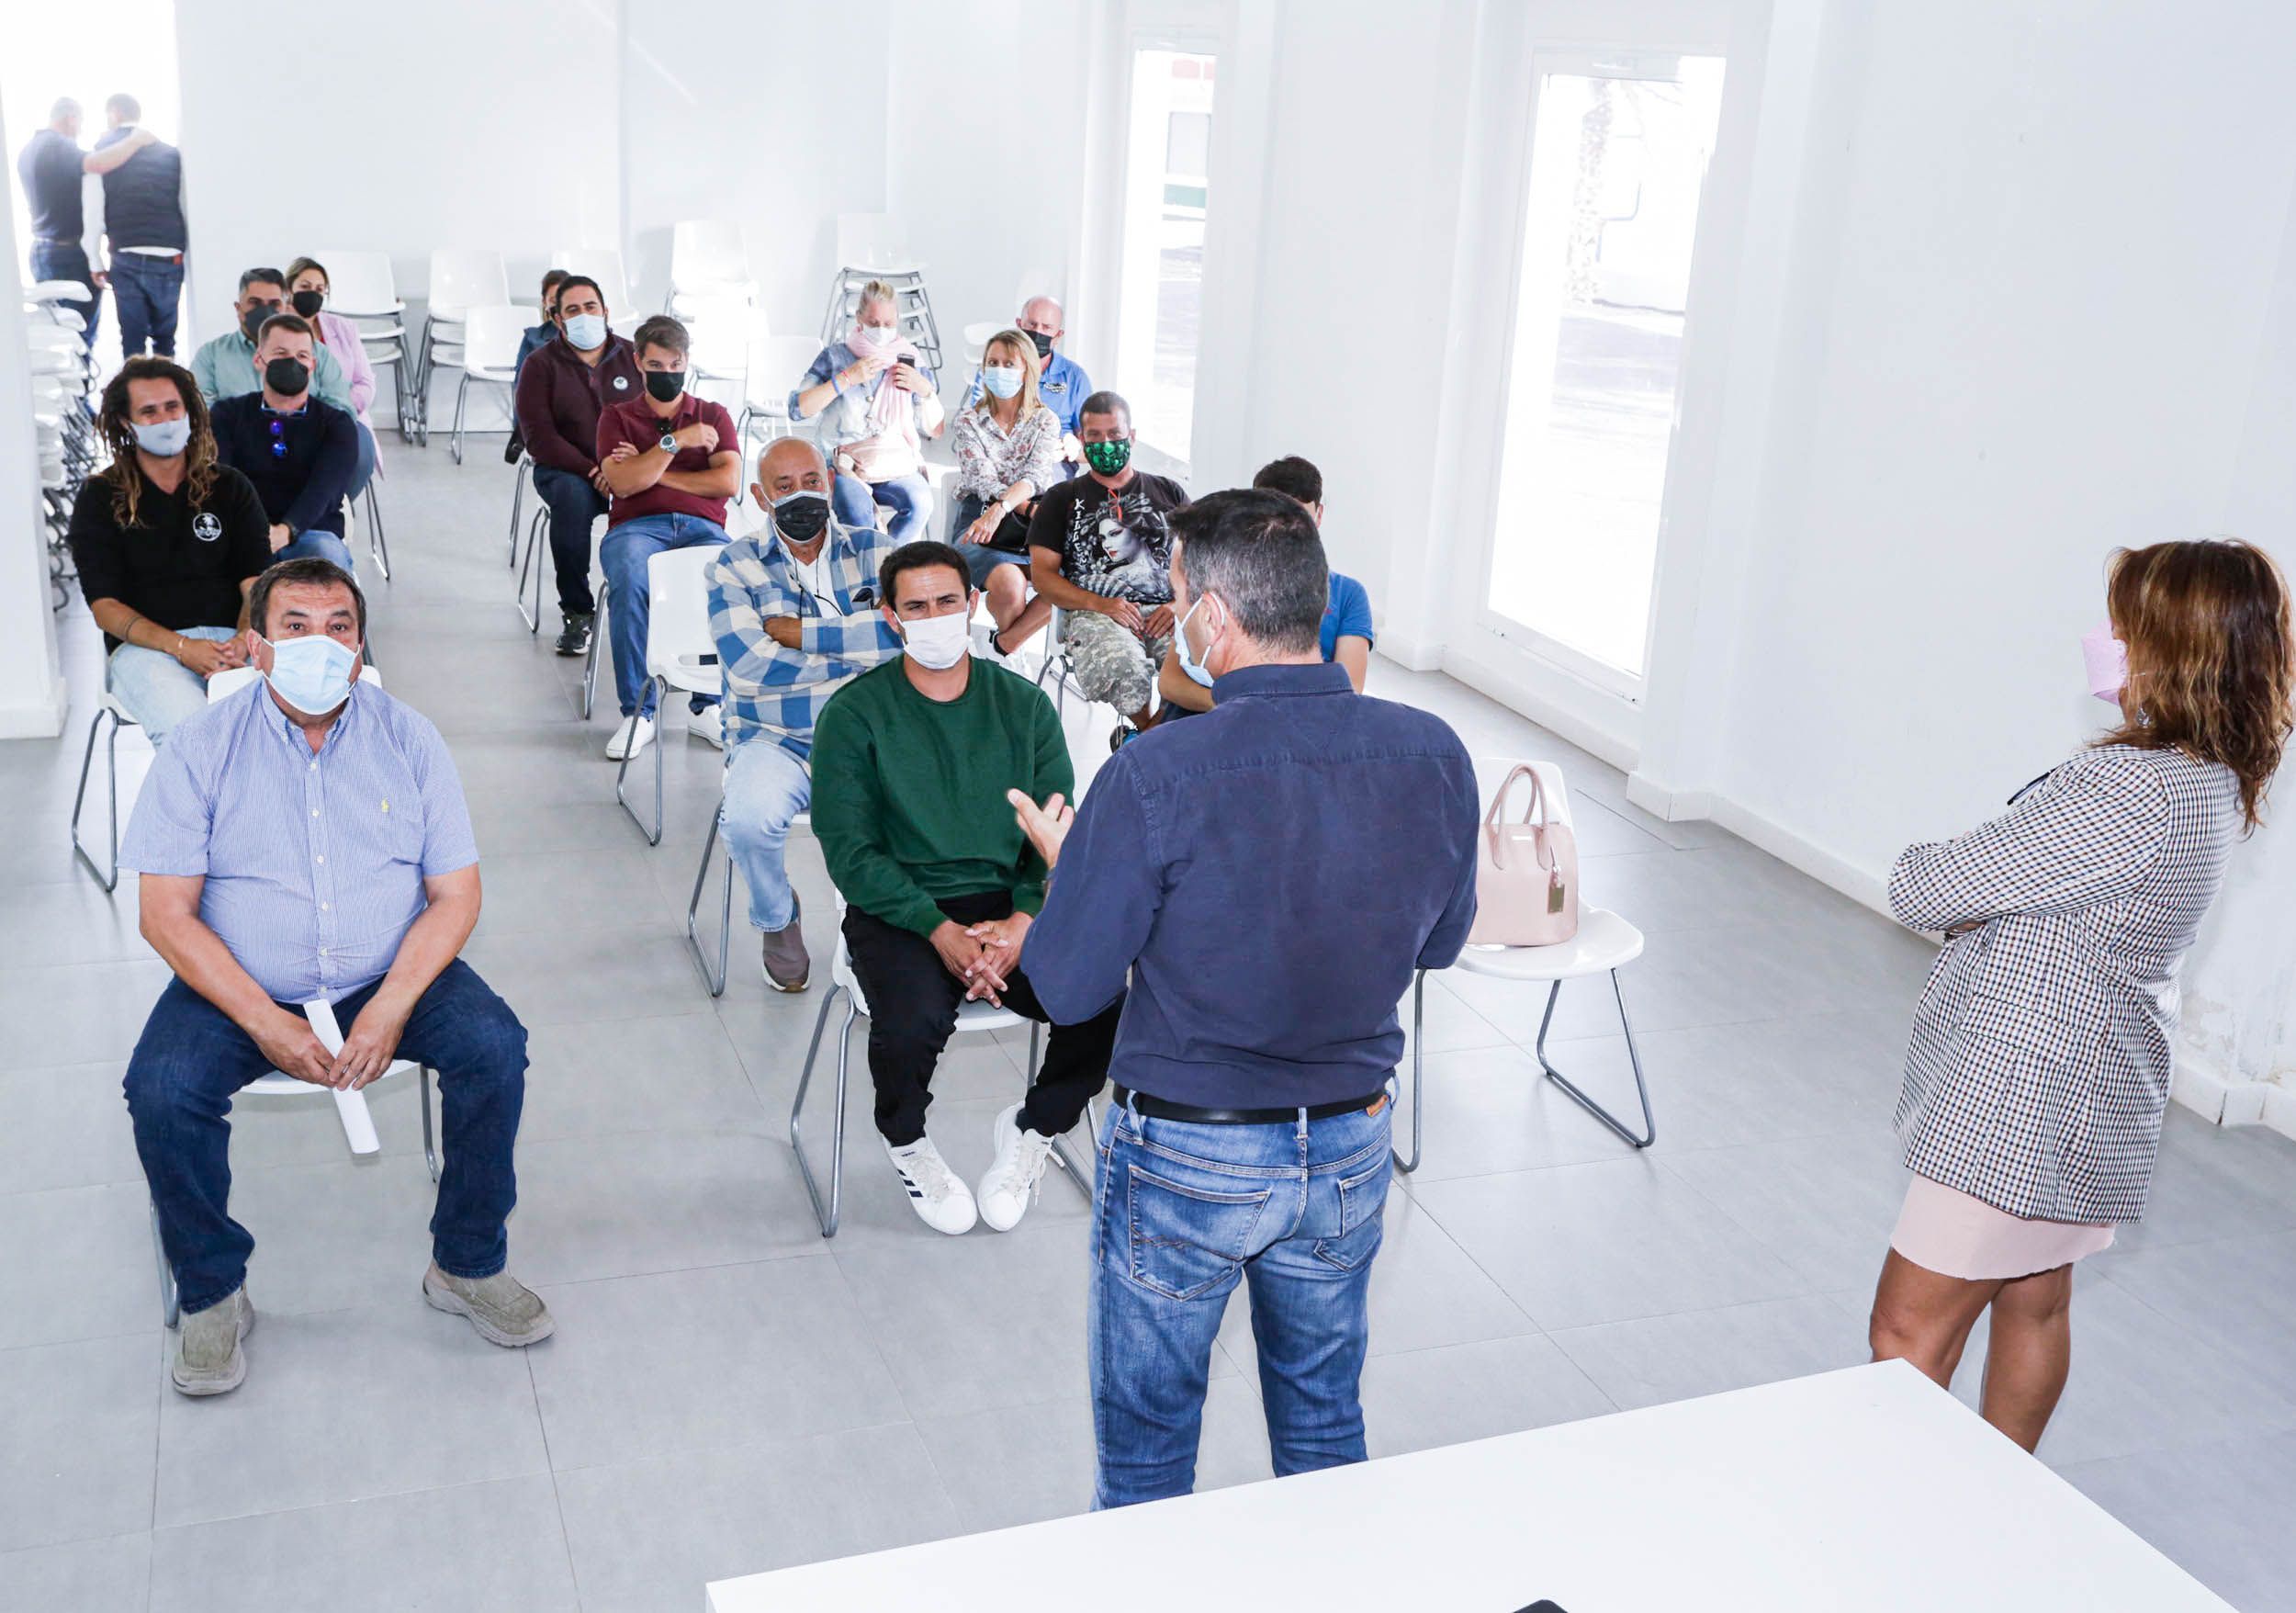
[(708, 724), (1009, 1188), (632, 735), (938, 1194)]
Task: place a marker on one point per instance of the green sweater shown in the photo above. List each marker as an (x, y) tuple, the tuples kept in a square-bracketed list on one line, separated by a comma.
[(908, 793)]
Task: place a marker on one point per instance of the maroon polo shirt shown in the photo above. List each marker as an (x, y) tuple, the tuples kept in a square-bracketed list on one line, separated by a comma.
[(637, 424)]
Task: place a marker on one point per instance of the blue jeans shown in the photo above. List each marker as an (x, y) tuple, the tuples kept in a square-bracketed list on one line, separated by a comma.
[(318, 543), (70, 263), (574, 505), (624, 552), (765, 787), (1186, 1211), (192, 1058), (146, 289), (158, 689), (910, 498)]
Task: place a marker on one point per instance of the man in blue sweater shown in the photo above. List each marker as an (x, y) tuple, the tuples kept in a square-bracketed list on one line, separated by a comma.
[(1268, 876)]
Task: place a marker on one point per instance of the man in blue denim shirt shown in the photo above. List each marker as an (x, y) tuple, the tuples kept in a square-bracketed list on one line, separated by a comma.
[(1269, 875)]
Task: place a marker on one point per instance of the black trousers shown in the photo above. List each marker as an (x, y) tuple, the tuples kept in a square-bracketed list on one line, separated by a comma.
[(912, 1003), (574, 504)]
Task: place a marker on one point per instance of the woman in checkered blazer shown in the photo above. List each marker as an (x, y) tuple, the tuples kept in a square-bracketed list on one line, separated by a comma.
[(2043, 1041)]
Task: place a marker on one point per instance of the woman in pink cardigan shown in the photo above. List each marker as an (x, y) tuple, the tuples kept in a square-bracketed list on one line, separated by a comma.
[(307, 290)]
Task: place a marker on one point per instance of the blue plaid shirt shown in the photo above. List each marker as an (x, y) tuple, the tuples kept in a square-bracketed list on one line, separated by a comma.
[(773, 691)]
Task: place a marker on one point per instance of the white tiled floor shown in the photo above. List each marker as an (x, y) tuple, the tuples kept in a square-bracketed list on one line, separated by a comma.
[(728, 1393)]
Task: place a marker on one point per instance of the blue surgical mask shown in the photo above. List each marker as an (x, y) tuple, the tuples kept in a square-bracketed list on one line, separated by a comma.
[(311, 673), (1001, 380), (586, 330), (1188, 663), (162, 439)]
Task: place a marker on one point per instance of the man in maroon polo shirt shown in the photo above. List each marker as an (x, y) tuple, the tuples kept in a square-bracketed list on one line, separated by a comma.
[(670, 460), (570, 380)]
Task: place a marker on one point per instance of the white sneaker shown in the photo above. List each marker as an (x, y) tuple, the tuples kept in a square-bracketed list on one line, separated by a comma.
[(1009, 1188), (632, 736), (708, 724), (938, 1194)]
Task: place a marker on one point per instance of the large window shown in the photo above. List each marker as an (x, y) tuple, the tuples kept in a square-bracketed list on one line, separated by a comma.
[(1166, 189), (1618, 154)]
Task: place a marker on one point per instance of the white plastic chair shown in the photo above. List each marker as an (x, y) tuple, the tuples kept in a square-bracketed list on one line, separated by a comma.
[(1606, 944), (707, 259), (721, 329), (603, 265), (874, 242), (776, 364), (972, 1019), (460, 281), (681, 653), (362, 288), (492, 333)]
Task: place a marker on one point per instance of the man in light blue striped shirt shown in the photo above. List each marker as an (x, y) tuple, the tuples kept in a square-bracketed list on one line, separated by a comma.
[(794, 612), (301, 840)]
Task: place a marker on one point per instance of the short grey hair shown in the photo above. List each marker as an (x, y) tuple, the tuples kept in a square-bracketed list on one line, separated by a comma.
[(1260, 552), (65, 107)]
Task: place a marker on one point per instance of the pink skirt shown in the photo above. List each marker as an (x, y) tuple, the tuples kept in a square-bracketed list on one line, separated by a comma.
[(1944, 1230)]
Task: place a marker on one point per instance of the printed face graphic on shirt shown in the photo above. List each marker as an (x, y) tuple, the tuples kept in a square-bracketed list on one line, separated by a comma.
[(207, 526), (1119, 550)]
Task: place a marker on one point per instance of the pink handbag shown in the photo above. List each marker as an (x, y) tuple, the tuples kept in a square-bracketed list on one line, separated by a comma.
[(1526, 875)]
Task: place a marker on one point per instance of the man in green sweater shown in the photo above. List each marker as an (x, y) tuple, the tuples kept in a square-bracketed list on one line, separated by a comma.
[(911, 761)]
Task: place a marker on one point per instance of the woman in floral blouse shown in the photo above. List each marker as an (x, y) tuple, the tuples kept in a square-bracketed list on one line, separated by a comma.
[(1008, 450)]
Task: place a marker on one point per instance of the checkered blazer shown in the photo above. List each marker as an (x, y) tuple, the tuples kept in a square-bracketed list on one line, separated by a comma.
[(2042, 1046)]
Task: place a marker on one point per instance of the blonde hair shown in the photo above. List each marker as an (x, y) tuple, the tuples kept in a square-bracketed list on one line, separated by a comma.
[(1024, 351), (878, 291)]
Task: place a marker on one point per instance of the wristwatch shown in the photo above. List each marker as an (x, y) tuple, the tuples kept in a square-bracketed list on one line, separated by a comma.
[(668, 443)]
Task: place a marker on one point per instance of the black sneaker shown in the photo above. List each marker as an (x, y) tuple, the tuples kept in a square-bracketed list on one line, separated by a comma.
[(574, 638)]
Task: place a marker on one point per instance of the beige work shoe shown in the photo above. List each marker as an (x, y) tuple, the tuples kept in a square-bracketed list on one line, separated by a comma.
[(504, 1310), (209, 1359)]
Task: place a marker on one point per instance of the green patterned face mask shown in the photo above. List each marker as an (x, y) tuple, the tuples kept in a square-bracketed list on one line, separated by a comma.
[(1108, 459)]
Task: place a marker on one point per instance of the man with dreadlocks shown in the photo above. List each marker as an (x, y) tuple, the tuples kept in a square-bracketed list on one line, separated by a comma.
[(168, 542)]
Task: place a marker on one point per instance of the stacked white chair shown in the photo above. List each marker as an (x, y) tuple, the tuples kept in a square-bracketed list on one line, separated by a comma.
[(362, 288), (870, 246), (64, 375), (492, 333)]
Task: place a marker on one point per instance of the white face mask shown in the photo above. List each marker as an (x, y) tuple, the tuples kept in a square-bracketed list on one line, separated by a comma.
[(883, 335), (938, 643)]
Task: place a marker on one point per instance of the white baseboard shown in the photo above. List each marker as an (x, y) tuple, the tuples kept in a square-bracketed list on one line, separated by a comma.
[(1409, 653), (1871, 890), (1660, 801), (2225, 1103), (37, 719)]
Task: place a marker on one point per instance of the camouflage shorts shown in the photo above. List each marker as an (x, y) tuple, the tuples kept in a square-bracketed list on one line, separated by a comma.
[(1112, 666)]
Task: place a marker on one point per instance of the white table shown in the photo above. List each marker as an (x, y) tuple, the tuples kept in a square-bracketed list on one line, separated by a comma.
[(1869, 1489)]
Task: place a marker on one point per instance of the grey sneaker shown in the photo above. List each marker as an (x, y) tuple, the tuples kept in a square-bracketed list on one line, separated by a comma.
[(209, 1359), (788, 966), (574, 639), (504, 1311)]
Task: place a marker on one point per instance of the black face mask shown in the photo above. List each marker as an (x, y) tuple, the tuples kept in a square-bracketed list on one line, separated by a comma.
[(251, 321), (664, 384), (309, 303), (1043, 343), (801, 517), (290, 378)]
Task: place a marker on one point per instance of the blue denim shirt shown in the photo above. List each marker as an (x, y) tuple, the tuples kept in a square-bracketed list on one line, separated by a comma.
[(1269, 874)]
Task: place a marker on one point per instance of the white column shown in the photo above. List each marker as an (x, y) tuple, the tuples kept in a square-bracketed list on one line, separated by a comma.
[(32, 694)]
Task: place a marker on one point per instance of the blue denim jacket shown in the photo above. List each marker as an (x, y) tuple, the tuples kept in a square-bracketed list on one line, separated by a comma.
[(1270, 874)]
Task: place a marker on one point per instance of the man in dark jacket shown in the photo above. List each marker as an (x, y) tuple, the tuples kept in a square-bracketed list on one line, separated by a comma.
[(299, 450), (565, 384), (143, 228)]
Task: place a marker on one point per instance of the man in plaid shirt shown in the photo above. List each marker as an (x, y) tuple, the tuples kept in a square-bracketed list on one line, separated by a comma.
[(793, 609)]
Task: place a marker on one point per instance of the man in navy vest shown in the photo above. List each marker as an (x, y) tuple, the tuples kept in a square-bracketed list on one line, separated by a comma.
[(143, 227)]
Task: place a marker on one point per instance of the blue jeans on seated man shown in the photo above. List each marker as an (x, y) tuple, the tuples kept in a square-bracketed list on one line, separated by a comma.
[(192, 1058), (574, 504), (69, 262), (1185, 1212), (910, 498), (765, 786), (318, 543), (622, 554), (158, 689)]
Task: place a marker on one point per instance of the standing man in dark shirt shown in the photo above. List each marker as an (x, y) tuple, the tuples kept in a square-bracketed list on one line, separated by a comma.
[(53, 168), (670, 461), (143, 227), (568, 382), (1268, 875), (1100, 548), (299, 451), (167, 542)]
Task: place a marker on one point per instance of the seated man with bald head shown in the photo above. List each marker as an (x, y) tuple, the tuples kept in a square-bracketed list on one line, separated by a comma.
[(794, 608)]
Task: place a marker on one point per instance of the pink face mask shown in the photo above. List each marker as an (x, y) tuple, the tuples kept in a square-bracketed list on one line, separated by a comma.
[(2107, 662)]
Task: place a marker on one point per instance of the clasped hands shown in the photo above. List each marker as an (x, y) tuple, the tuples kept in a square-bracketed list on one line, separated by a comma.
[(294, 1048), (984, 955)]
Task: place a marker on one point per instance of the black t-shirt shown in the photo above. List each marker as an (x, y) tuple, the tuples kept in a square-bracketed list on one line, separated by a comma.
[(1116, 544), (180, 565)]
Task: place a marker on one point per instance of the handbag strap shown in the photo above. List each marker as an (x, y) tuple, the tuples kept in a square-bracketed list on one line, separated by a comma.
[(1538, 803)]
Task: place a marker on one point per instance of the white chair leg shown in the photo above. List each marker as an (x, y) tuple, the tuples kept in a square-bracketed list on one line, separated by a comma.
[(592, 655), (826, 1214), (1418, 1085), (713, 979), (661, 704), (430, 1145), (107, 878), (1642, 1090), (170, 1312)]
